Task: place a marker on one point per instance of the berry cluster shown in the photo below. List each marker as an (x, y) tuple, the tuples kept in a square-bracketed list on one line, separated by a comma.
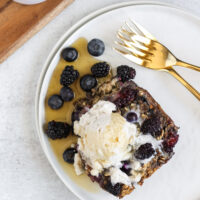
[(126, 95), (144, 151), (152, 125), (68, 76), (125, 73), (100, 69), (57, 130)]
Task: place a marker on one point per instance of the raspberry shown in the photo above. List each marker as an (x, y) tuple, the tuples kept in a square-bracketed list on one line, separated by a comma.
[(100, 69), (144, 151), (125, 73), (68, 76), (170, 141), (152, 126), (58, 130)]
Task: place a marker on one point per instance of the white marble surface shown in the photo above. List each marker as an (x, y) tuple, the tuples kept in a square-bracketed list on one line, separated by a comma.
[(25, 173)]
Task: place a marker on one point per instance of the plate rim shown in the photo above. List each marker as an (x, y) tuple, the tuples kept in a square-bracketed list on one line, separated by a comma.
[(60, 42)]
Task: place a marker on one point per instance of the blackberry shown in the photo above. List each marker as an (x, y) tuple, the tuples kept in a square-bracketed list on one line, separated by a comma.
[(88, 82), (125, 73), (69, 54), (69, 154), (144, 151), (68, 76), (113, 189), (100, 69), (55, 102), (96, 47), (66, 93), (126, 96), (57, 130), (152, 125)]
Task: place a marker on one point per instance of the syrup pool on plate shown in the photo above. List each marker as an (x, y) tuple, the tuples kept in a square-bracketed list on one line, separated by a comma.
[(83, 64)]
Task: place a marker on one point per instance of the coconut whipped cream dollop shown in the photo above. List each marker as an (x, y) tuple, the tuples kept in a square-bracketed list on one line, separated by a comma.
[(106, 139)]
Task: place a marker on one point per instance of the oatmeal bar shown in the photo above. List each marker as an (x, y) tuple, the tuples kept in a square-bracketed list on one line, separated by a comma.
[(150, 145)]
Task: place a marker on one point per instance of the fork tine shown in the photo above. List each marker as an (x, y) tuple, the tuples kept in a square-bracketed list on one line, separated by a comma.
[(123, 29), (124, 32), (139, 38), (139, 46), (143, 30), (131, 43), (142, 49), (129, 56), (135, 37), (134, 52), (121, 36), (131, 28), (130, 48)]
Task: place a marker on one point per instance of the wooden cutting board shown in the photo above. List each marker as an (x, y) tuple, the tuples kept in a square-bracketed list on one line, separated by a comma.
[(20, 22)]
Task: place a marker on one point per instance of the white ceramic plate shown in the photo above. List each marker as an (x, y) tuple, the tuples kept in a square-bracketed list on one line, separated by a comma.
[(180, 32)]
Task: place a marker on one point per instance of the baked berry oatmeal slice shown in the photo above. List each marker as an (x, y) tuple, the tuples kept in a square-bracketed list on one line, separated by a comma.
[(124, 135)]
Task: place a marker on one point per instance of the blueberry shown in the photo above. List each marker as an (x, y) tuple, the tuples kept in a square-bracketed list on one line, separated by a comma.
[(69, 154), (96, 47), (131, 117), (66, 93), (69, 54), (88, 82), (55, 102)]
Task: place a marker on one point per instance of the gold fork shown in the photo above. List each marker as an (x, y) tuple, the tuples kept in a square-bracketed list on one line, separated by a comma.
[(142, 48)]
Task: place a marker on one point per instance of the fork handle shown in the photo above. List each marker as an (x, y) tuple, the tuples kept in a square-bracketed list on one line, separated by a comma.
[(187, 65), (184, 82)]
